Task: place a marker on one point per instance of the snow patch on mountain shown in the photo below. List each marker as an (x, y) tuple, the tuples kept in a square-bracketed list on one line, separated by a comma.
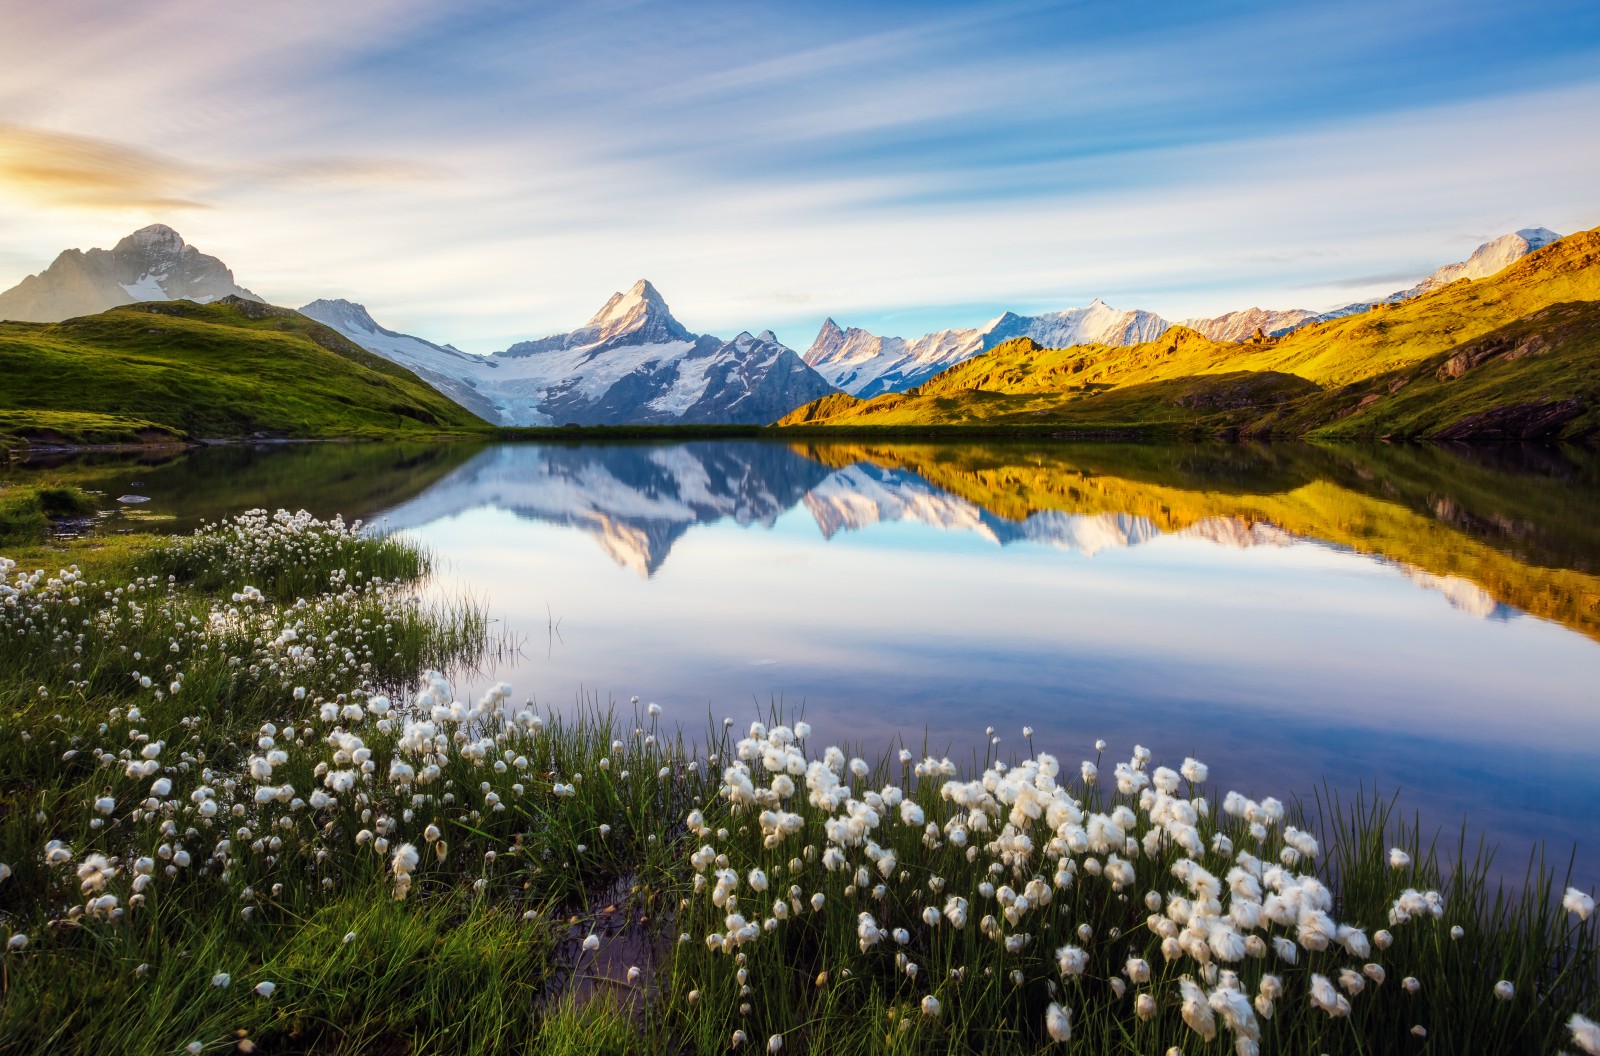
[(453, 372)]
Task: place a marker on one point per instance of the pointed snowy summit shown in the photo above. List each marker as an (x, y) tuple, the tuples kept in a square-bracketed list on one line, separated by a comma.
[(640, 316)]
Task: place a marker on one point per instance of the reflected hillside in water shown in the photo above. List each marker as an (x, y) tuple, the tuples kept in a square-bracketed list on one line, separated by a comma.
[(181, 489), (1489, 527), (1493, 529)]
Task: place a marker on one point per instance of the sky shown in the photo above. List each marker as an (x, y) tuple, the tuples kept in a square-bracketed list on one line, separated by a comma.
[(486, 172)]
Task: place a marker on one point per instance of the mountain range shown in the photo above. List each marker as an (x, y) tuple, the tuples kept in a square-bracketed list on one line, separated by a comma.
[(1511, 356), (866, 365), (633, 363)]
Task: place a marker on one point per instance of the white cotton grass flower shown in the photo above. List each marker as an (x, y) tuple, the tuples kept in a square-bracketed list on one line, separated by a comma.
[(1196, 1010), (1575, 901), (403, 864), (1326, 998), (775, 1043), (1585, 1033), (591, 942), (1058, 1022), (1504, 990), (930, 1007), (266, 988), (1399, 859), (222, 980)]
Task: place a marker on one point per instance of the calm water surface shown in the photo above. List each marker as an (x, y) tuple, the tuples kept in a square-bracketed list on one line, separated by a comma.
[(1420, 620)]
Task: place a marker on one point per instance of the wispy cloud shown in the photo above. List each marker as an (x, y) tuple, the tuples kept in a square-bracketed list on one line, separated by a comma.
[(83, 172), (86, 172)]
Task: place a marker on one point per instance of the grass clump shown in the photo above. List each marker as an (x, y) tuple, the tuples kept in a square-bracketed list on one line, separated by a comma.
[(277, 554), (27, 512)]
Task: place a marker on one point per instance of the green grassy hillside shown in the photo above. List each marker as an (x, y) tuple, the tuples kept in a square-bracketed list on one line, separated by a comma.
[(1516, 355), (175, 370)]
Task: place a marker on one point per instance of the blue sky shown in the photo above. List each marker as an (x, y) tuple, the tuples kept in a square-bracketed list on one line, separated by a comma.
[(485, 172)]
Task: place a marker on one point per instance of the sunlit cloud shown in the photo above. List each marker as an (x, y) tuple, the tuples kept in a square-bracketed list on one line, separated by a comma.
[(83, 172)]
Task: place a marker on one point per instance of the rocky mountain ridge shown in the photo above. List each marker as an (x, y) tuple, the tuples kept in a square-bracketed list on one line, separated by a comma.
[(152, 264)]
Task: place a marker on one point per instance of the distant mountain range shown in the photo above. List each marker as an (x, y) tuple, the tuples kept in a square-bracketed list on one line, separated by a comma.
[(634, 363), (1514, 355), (866, 365)]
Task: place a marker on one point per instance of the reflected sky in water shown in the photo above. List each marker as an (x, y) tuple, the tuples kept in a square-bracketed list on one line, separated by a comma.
[(894, 595)]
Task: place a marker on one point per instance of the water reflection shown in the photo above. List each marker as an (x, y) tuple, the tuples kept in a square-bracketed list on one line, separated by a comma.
[(1478, 544)]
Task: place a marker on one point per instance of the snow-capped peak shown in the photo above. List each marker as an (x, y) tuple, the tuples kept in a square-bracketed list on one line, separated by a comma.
[(641, 297), (641, 314)]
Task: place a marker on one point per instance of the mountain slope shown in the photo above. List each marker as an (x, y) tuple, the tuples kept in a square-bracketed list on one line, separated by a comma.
[(450, 370), (1531, 360), (152, 264), (228, 369), (632, 363)]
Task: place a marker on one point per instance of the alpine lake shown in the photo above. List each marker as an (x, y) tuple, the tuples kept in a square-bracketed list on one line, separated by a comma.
[(1311, 621)]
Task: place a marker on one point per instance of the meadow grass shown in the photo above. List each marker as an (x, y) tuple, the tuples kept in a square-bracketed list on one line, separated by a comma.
[(28, 511), (245, 813)]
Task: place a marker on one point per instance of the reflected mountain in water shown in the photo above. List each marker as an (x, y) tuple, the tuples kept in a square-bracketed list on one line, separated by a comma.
[(637, 501)]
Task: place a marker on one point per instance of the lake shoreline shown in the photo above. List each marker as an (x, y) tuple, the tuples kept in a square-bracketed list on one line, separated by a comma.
[(25, 451)]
